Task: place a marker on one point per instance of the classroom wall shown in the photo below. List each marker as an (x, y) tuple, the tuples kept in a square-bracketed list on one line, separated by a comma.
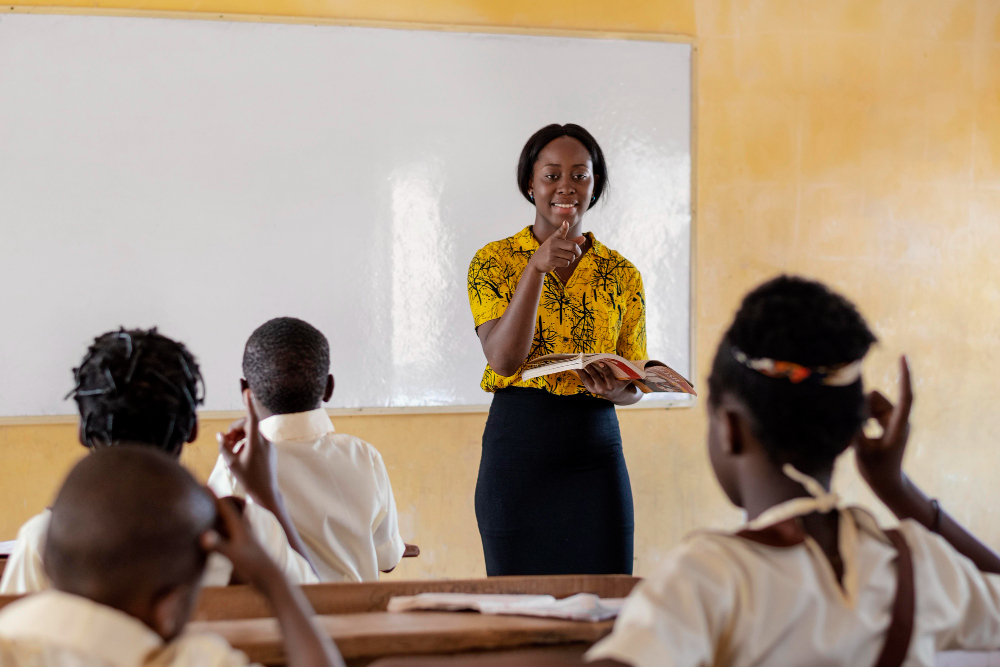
[(852, 140)]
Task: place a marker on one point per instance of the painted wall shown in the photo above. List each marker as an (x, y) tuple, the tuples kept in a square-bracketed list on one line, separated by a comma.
[(852, 140)]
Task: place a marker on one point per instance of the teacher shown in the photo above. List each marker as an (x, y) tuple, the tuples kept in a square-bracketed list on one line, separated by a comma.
[(553, 494)]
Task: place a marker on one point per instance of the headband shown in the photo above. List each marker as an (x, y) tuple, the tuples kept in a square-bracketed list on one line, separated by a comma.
[(840, 375)]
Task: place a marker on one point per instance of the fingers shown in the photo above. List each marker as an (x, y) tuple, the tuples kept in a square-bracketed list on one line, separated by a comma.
[(562, 231), (880, 408), (900, 419)]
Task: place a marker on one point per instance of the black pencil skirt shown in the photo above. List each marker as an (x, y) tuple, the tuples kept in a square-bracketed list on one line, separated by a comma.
[(553, 494)]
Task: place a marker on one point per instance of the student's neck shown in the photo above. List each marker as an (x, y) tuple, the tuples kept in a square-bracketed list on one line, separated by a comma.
[(766, 486)]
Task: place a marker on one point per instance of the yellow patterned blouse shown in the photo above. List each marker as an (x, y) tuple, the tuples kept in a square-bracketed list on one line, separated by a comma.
[(601, 309)]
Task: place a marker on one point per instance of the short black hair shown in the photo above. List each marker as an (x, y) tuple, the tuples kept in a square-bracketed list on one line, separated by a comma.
[(808, 424), (545, 136), (125, 524), (286, 362), (138, 386)]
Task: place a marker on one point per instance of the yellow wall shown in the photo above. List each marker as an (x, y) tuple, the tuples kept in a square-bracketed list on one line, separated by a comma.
[(852, 140)]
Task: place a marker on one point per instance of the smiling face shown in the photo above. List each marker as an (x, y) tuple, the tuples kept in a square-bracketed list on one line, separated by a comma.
[(562, 183)]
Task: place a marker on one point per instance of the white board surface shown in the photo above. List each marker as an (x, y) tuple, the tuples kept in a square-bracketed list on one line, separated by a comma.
[(207, 176)]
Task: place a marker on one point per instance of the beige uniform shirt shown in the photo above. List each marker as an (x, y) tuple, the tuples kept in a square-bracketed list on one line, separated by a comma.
[(337, 491), (25, 573), (720, 599), (55, 629)]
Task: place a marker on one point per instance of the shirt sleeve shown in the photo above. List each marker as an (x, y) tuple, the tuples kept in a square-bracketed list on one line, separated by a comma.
[(489, 285), (202, 649), (676, 618), (956, 603), (223, 482), (24, 572), (389, 545), (632, 338), (268, 531)]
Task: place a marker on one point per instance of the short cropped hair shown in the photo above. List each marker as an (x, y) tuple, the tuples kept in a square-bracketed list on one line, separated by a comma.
[(542, 138), (807, 424), (138, 386), (286, 362), (126, 524)]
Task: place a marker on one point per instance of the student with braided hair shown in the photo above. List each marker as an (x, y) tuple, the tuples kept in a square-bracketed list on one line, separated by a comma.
[(138, 387)]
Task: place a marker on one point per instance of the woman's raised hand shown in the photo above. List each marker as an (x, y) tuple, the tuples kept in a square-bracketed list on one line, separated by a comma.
[(557, 252)]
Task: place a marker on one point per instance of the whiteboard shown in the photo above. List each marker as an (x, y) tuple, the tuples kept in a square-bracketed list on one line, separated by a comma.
[(206, 176)]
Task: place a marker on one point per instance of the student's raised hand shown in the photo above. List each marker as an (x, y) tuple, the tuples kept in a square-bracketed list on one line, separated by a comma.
[(557, 252), (600, 380), (232, 539), (880, 460), (250, 456)]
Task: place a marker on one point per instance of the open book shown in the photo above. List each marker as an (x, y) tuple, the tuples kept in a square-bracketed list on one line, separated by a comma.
[(648, 375)]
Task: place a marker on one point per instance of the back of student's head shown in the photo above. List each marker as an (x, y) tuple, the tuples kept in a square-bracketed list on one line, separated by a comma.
[(806, 422), (125, 527), (138, 387), (286, 363)]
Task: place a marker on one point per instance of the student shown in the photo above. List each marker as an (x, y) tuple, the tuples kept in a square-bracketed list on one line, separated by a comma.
[(124, 587), (803, 583), (141, 388), (335, 486)]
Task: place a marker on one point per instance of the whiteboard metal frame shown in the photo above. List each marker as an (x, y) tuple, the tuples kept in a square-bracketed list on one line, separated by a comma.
[(439, 27)]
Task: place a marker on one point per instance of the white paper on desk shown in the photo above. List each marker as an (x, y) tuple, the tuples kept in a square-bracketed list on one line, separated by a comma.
[(579, 607)]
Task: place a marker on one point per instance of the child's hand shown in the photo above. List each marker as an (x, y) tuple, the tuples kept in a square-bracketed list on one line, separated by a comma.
[(880, 460), (232, 539), (250, 456)]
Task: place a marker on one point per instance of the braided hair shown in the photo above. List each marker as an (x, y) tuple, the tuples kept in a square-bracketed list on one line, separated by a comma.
[(137, 386), (801, 321)]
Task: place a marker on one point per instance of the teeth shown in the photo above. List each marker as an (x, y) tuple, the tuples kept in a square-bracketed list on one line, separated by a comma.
[(565, 205)]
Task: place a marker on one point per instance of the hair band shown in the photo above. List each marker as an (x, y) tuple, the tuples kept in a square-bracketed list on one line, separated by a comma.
[(840, 375)]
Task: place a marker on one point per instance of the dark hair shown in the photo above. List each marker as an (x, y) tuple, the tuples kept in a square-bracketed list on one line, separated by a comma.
[(126, 524), (137, 386), (286, 363), (545, 136), (808, 424)]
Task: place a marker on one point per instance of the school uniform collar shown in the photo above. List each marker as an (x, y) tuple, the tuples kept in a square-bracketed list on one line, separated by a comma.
[(79, 625), (297, 426)]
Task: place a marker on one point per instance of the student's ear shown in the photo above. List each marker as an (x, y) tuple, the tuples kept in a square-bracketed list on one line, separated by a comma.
[(328, 392), (244, 385), (732, 432), (172, 609)]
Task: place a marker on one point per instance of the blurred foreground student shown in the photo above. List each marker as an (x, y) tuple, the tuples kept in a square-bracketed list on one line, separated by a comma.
[(804, 582), (336, 486), (124, 585), (141, 388)]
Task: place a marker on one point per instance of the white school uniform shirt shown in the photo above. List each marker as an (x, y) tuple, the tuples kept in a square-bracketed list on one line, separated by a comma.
[(25, 572), (337, 491), (722, 599), (56, 629)]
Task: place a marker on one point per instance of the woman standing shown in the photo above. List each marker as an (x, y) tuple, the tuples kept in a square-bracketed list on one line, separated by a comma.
[(553, 495)]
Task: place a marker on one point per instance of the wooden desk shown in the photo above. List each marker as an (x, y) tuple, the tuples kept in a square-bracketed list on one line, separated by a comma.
[(238, 602), (365, 637), (6, 549)]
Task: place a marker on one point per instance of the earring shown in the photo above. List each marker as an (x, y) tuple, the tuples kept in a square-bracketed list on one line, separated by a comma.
[(531, 196), (593, 199)]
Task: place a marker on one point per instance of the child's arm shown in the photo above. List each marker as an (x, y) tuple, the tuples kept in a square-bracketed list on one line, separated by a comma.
[(305, 646), (880, 461), (255, 468)]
